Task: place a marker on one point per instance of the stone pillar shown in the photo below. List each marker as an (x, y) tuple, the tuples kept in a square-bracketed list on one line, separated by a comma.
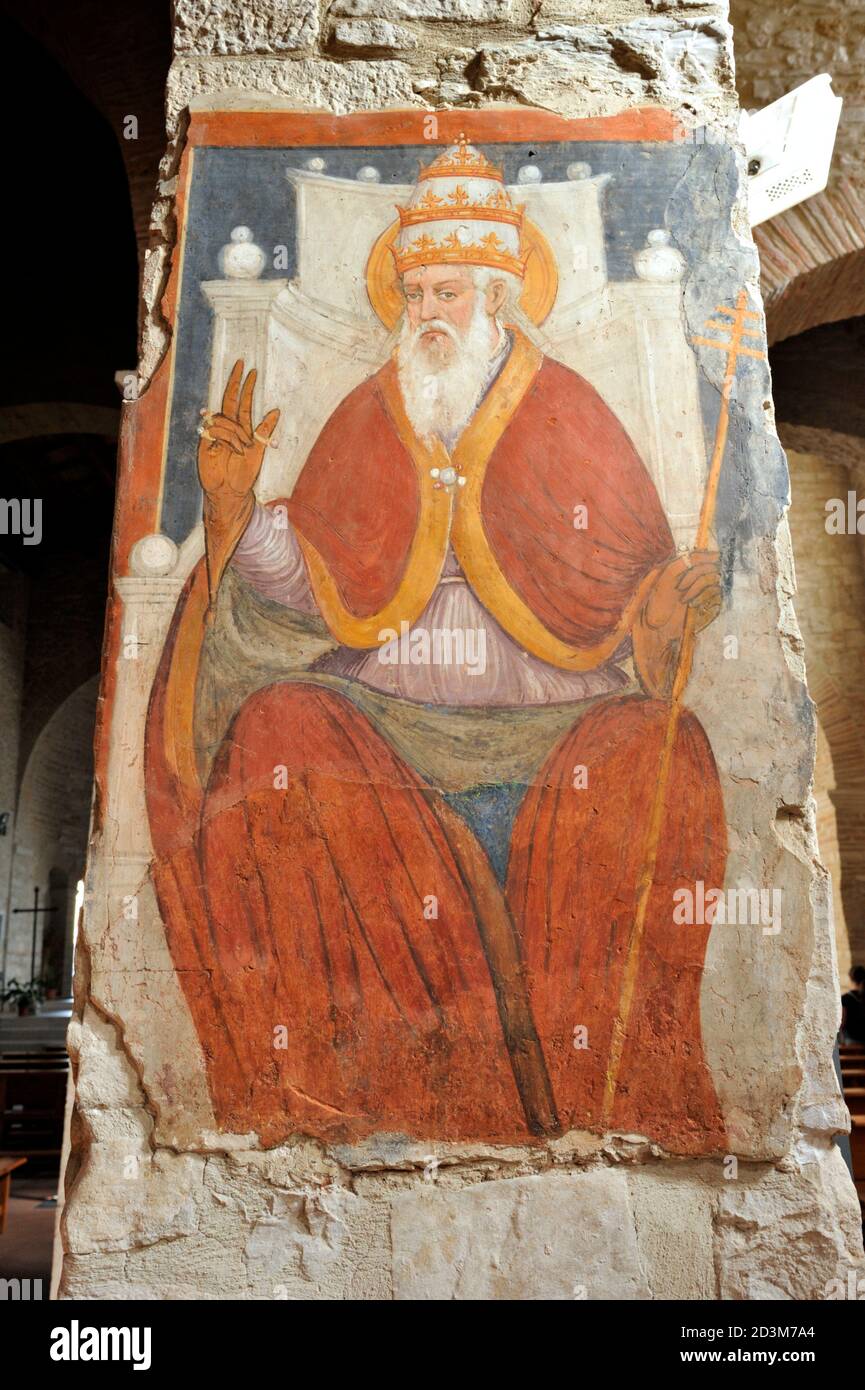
[(164, 1197)]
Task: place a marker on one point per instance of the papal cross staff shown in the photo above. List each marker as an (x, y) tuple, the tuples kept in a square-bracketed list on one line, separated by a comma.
[(735, 348)]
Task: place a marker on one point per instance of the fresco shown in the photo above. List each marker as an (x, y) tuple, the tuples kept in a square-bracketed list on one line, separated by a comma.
[(443, 453)]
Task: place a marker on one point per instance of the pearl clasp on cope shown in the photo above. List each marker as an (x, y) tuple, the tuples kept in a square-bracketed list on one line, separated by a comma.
[(447, 477)]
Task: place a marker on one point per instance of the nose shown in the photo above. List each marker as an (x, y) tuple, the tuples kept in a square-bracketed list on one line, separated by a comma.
[(429, 307)]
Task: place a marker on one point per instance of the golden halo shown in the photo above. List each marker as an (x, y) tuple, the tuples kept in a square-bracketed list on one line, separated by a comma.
[(540, 284)]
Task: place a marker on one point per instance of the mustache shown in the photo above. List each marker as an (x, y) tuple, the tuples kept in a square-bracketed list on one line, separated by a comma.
[(435, 325)]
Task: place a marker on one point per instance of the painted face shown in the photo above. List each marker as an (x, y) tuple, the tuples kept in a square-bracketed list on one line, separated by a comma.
[(440, 302)]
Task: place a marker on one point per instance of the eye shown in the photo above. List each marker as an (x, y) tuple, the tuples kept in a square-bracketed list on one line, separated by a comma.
[(446, 294)]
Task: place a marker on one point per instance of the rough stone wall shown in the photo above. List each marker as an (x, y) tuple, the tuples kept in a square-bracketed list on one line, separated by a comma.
[(151, 1214), (357, 53), (780, 46)]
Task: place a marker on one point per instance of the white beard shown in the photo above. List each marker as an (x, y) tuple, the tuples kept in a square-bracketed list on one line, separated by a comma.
[(440, 398)]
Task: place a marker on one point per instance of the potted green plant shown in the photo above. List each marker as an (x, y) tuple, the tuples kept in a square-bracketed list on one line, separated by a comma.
[(27, 997)]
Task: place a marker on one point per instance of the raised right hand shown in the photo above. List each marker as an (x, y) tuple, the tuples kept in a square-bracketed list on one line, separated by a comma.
[(231, 451)]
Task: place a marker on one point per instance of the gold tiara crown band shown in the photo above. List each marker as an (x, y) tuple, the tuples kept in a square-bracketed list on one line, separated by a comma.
[(496, 208), (453, 250)]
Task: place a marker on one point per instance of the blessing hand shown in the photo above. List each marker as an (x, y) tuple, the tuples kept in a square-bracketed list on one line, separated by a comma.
[(231, 451)]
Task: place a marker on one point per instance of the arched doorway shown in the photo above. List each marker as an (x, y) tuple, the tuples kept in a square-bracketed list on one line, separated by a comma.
[(812, 261), (50, 842), (819, 390)]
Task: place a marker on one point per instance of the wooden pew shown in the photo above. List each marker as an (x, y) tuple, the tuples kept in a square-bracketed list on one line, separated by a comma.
[(7, 1168), (857, 1151), (854, 1099)]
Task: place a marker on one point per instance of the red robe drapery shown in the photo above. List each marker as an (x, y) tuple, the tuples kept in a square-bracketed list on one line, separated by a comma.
[(566, 507), (302, 906)]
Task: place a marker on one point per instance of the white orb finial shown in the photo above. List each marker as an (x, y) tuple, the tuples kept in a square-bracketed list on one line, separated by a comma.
[(153, 557), (241, 259), (659, 262)]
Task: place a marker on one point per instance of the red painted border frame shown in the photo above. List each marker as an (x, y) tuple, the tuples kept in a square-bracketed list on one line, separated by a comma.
[(500, 125)]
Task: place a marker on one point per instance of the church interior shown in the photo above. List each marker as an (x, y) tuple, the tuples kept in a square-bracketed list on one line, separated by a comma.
[(76, 233)]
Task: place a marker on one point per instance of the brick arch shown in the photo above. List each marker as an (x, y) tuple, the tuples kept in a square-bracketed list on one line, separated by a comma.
[(843, 734), (812, 262)]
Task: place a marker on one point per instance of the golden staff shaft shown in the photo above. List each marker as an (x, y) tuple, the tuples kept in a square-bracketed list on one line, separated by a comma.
[(646, 880)]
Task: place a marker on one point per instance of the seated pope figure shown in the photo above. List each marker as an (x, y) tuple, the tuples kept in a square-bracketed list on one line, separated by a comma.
[(414, 860)]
